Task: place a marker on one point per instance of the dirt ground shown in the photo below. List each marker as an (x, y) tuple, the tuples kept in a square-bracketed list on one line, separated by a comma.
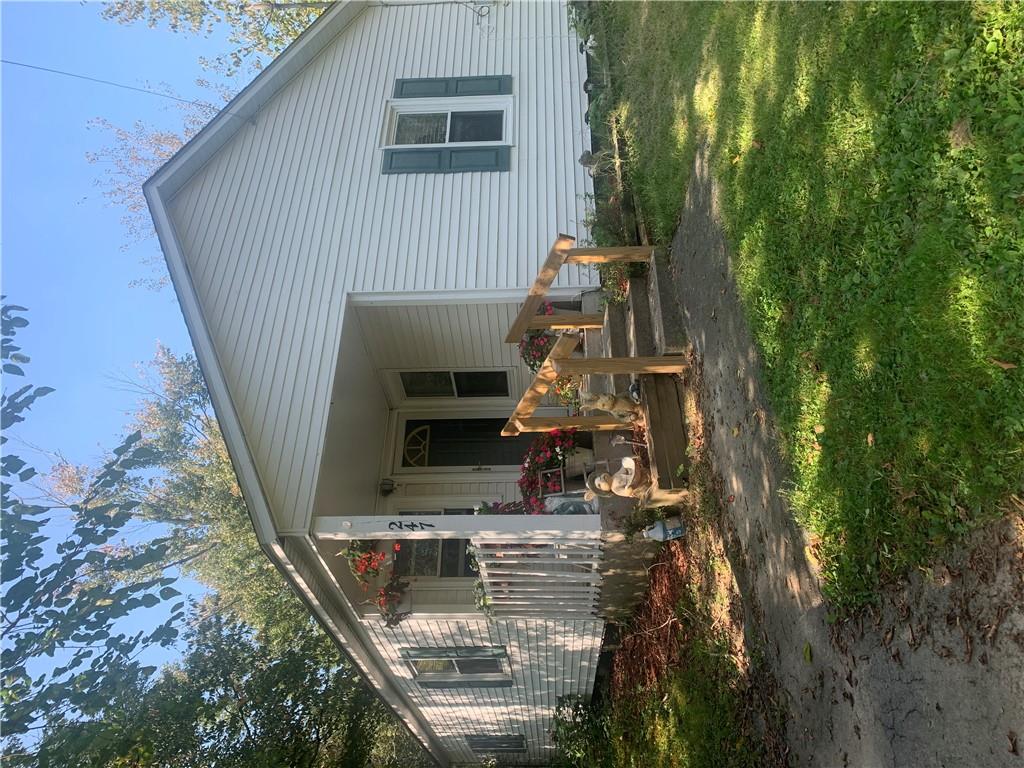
[(658, 633), (933, 678)]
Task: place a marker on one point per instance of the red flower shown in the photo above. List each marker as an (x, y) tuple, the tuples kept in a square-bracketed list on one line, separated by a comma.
[(397, 547)]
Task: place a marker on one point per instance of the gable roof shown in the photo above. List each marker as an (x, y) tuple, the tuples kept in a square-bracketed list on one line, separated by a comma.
[(295, 556)]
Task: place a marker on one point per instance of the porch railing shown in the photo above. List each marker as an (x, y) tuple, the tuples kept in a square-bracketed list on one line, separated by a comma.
[(540, 578), (559, 361)]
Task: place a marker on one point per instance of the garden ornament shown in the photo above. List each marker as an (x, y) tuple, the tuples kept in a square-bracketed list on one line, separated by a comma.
[(619, 406)]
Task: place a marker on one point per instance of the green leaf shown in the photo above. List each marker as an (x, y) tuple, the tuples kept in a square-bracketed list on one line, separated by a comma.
[(168, 592)]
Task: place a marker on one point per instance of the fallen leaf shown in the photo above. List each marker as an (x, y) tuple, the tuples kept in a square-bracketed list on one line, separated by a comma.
[(960, 134), (736, 431), (871, 439), (731, 498), (1001, 364), (1012, 738), (755, 144), (808, 653), (819, 429)]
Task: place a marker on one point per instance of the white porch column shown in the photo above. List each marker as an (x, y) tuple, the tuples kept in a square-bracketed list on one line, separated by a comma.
[(479, 527)]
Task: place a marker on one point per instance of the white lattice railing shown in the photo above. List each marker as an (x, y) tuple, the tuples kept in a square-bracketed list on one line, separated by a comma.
[(550, 577)]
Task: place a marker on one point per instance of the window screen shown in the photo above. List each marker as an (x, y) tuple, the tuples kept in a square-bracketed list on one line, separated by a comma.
[(421, 129), (427, 383), (433, 665)]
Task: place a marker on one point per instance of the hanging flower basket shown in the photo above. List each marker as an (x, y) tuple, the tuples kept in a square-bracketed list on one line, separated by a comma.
[(392, 603), (365, 563)]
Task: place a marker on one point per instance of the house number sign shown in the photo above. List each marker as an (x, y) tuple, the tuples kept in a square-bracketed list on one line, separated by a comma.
[(408, 525)]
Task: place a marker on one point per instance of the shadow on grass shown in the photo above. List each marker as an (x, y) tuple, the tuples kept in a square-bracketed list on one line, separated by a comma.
[(879, 260)]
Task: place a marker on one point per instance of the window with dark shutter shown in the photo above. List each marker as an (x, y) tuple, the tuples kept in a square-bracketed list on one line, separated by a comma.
[(449, 125)]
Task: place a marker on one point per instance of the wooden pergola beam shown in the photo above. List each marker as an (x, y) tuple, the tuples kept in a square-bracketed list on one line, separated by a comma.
[(625, 254), (548, 272), (587, 423), (541, 382), (566, 321), (588, 365)]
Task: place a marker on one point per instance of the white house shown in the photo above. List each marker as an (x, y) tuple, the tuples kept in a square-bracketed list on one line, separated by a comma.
[(350, 240)]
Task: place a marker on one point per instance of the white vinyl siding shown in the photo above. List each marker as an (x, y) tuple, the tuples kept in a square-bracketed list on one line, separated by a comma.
[(292, 213), (443, 336), (547, 659)]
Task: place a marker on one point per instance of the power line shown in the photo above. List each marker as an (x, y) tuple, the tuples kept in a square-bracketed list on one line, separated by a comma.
[(107, 82)]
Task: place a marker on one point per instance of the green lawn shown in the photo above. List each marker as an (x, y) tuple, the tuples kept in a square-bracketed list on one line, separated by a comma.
[(871, 158)]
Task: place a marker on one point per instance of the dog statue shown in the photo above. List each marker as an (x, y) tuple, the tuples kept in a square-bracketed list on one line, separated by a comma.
[(619, 406)]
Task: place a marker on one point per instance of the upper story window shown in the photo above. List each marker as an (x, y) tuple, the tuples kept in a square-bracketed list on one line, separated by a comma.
[(449, 125)]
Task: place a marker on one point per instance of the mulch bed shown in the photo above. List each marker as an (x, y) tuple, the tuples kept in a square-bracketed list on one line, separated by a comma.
[(652, 644)]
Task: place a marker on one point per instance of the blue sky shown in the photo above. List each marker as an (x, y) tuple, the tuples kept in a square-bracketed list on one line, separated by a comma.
[(61, 240)]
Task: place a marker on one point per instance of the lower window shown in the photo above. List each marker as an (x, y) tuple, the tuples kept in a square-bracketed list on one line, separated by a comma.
[(497, 744), (459, 667)]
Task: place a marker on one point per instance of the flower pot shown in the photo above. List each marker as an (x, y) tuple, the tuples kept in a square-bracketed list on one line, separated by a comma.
[(575, 465)]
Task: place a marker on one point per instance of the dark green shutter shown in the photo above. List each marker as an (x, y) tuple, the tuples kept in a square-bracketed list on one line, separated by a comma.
[(430, 87), (487, 157)]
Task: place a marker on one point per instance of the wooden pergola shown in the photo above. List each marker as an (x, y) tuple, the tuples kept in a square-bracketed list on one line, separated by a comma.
[(559, 361)]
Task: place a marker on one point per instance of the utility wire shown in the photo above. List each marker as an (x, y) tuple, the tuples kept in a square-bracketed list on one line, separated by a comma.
[(107, 82)]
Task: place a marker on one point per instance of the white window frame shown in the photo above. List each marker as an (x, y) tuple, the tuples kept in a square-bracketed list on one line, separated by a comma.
[(439, 678), (396, 392), (396, 107)]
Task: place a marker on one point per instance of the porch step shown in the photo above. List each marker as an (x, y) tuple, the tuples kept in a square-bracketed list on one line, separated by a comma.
[(593, 343), (667, 330), (663, 408), (616, 344), (640, 339), (611, 341)]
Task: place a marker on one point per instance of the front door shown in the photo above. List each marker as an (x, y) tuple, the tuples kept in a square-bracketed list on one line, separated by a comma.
[(457, 444)]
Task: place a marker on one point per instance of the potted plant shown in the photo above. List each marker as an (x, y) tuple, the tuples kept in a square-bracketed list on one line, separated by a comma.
[(393, 602), (365, 563)]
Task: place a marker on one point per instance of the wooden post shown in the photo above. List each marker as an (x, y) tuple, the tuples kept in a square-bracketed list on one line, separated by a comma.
[(541, 382), (586, 423), (643, 254), (587, 365), (566, 321), (546, 276)]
